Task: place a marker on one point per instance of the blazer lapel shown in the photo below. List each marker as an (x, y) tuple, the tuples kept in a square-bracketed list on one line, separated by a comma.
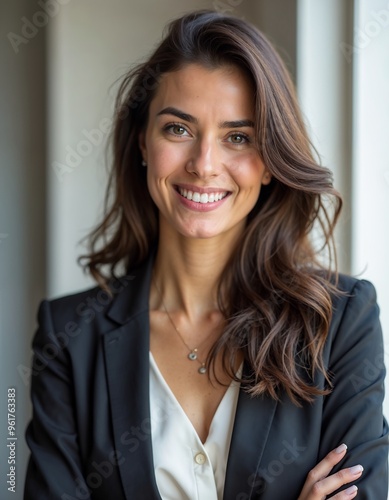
[(253, 420), (126, 351)]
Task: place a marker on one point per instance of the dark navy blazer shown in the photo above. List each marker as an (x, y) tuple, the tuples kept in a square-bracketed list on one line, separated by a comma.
[(90, 433)]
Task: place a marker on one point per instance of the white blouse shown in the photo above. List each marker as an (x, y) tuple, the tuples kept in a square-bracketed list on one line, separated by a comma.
[(185, 468)]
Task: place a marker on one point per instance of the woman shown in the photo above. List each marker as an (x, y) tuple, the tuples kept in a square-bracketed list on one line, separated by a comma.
[(227, 363)]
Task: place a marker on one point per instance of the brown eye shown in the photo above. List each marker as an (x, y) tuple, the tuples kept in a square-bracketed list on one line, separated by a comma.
[(178, 130), (238, 138)]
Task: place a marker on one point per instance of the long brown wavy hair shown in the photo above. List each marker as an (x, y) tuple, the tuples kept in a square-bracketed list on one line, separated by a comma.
[(274, 293)]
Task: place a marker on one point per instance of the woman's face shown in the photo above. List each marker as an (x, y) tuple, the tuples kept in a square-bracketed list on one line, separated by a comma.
[(203, 170)]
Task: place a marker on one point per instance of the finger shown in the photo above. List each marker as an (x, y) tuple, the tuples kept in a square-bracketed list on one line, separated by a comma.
[(335, 481), (323, 468), (347, 494)]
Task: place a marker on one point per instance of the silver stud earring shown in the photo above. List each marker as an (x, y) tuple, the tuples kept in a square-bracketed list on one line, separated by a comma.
[(144, 164)]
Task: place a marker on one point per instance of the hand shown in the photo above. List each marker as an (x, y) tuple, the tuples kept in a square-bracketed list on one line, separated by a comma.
[(319, 483)]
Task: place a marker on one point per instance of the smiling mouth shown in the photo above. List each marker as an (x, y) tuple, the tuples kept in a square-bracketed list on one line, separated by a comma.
[(202, 197)]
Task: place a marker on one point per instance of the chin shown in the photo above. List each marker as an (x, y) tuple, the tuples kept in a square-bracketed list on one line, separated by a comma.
[(196, 232), (199, 234), (204, 233)]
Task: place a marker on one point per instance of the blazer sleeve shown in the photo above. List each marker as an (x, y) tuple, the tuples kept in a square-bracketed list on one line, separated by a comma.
[(54, 469), (352, 413)]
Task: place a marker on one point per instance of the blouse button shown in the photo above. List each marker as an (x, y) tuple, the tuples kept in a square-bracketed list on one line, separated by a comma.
[(200, 458)]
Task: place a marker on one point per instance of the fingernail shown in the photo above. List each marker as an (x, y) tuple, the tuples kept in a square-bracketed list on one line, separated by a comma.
[(357, 469), (351, 490), (341, 448)]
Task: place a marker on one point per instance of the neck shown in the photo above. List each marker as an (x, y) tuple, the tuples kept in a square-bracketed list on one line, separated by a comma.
[(187, 271)]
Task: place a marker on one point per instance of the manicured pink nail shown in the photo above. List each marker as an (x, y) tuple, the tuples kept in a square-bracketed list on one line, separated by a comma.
[(351, 490), (341, 448), (357, 469)]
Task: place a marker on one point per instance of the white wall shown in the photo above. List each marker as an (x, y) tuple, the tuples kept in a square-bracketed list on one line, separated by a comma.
[(324, 87), (370, 241), (343, 75)]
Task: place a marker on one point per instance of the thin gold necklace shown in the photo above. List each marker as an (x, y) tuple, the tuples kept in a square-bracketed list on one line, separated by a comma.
[(192, 352)]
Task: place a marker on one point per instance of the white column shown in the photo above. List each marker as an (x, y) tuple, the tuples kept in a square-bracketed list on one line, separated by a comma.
[(342, 78), (324, 87), (371, 152)]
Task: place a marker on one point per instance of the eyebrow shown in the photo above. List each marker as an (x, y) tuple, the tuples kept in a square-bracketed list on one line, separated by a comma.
[(191, 119)]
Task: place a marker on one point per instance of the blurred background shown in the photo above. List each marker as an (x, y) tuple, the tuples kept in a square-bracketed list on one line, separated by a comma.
[(60, 62)]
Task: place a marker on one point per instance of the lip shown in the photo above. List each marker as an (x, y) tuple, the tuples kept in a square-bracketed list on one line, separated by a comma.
[(197, 206)]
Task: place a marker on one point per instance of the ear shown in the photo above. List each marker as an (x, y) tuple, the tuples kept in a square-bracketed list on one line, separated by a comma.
[(266, 179), (142, 145)]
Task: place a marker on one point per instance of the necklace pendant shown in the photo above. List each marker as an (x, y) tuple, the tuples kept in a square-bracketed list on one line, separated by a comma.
[(202, 369), (193, 355)]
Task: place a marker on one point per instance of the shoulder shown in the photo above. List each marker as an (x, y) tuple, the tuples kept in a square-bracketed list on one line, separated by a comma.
[(81, 312), (67, 305), (86, 305), (95, 310), (355, 323), (350, 284), (81, 307), (355, 296)]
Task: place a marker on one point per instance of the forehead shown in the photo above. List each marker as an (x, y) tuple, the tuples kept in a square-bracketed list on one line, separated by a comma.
[(225, 90)]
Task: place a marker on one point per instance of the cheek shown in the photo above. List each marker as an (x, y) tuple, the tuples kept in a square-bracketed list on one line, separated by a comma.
[(164, 159), (163, 163), (248, 174)]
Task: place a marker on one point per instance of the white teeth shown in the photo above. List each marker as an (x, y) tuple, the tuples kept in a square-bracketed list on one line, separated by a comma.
[(203, 197)]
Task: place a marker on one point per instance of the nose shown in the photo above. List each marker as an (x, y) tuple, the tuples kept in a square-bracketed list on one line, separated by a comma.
[(205, 159)]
